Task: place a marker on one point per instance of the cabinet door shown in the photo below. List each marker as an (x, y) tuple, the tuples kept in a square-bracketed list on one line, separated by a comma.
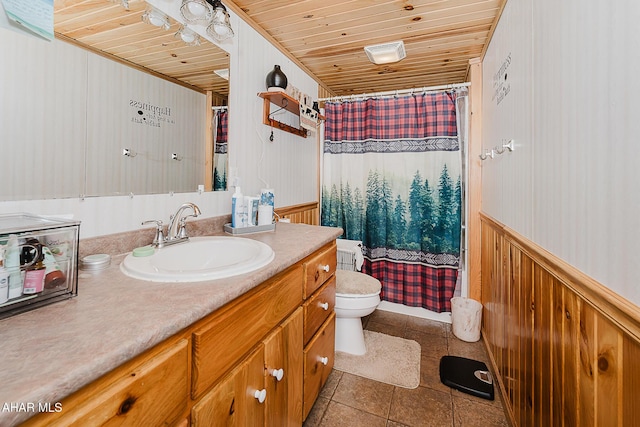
[(153, 392), (235, 400), (318, 362), (283, 369)]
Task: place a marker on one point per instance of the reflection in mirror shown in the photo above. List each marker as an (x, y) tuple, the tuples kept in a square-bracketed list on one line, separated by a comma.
[(220, 120), (79, 122)]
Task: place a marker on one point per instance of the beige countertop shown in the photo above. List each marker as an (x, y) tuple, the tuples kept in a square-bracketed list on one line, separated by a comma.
[(49, 353)]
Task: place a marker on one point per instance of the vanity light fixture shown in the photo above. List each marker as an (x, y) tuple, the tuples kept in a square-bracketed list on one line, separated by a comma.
[(385, 53), (187, 35), (124, 3), (219, 28), (156, 18), (196, 11)]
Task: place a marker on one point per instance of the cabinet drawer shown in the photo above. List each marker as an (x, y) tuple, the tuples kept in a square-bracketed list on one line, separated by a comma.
[(154, 392), (319, 268), (220, 343), (318, 362), (318, 308)]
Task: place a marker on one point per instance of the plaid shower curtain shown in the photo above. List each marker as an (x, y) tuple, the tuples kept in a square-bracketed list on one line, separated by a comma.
[(392, 179)]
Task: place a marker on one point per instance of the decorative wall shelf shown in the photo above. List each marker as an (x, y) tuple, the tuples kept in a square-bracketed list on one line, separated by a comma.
[(283, 101)]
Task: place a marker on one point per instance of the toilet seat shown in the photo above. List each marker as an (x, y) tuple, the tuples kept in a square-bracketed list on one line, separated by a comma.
[(356, 296), (353, 284)]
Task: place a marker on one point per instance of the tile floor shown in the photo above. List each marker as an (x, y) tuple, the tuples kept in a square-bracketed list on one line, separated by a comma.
[(351, 401)]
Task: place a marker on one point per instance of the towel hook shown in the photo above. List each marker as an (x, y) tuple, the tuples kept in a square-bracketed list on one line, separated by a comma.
[(510, 145), (487, 153)]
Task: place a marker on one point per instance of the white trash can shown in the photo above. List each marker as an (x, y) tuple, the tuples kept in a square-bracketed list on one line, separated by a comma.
[(466, 318)]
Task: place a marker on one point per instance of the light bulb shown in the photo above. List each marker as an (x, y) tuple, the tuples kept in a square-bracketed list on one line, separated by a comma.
[(197, 9), (188, 37), (156, 20), (220, 29)]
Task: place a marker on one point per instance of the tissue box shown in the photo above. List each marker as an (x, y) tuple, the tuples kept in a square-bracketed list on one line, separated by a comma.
[(40, 260)]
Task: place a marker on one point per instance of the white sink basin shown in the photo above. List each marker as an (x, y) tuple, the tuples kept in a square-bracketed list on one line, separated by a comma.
[(199, 259)]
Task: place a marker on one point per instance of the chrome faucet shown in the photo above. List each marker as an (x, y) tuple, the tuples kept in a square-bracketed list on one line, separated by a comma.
[(177, 230)]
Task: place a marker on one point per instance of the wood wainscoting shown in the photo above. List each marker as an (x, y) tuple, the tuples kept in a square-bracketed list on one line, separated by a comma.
[(565, 348), (306, 213)]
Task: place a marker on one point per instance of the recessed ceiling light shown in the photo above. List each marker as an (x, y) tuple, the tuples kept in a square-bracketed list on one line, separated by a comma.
[(385, 53)]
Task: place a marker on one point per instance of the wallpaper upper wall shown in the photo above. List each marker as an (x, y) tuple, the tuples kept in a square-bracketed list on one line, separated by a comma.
[(558, 78)]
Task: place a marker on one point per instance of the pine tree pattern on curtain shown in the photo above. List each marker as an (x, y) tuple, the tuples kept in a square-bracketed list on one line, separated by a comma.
[(392, 179)]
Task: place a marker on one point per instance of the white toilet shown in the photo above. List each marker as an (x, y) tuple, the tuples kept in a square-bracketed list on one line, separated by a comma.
[(357, 295)]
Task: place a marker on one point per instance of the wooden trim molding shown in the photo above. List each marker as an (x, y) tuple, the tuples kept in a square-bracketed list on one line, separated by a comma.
[(209, 145), (563, 347), (474, 180), (305, 213)]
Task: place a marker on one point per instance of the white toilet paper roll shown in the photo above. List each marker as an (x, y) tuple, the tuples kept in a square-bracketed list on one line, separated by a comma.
[(265, 214)]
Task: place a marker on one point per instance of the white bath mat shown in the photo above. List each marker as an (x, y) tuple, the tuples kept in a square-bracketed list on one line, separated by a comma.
[(390, 360)]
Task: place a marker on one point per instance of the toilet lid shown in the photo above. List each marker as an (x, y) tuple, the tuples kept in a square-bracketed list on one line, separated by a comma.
[(356, 283)]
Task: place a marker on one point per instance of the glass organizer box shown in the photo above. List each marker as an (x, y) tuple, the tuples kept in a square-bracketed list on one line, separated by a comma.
[(40, 261)]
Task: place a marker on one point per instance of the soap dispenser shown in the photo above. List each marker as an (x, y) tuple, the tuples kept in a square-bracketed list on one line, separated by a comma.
[(237, 208)]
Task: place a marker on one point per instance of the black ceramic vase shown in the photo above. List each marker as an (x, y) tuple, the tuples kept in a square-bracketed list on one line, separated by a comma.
[(276, 78)]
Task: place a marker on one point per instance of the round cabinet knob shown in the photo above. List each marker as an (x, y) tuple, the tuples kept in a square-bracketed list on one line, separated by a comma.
[(324, 360), (325, 306), (326, 268), (278, 374), (261, 395)]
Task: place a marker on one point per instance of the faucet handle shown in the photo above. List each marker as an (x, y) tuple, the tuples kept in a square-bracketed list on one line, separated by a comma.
[(158, 240), (182, 232)]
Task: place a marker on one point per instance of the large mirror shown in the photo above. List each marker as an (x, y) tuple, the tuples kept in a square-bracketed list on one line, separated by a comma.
[(74, 123)]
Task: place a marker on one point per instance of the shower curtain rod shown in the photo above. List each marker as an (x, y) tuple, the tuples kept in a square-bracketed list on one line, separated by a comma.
[(396, 92)]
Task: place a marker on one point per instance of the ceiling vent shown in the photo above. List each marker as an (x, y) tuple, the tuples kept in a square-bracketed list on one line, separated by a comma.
[(386, 53)]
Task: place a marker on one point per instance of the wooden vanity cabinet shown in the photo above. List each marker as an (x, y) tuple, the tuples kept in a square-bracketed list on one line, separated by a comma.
[(265, 389), (208, 374), (319, 322)]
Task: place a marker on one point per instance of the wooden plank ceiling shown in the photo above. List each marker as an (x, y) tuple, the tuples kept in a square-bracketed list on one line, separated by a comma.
[(326, 36)]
